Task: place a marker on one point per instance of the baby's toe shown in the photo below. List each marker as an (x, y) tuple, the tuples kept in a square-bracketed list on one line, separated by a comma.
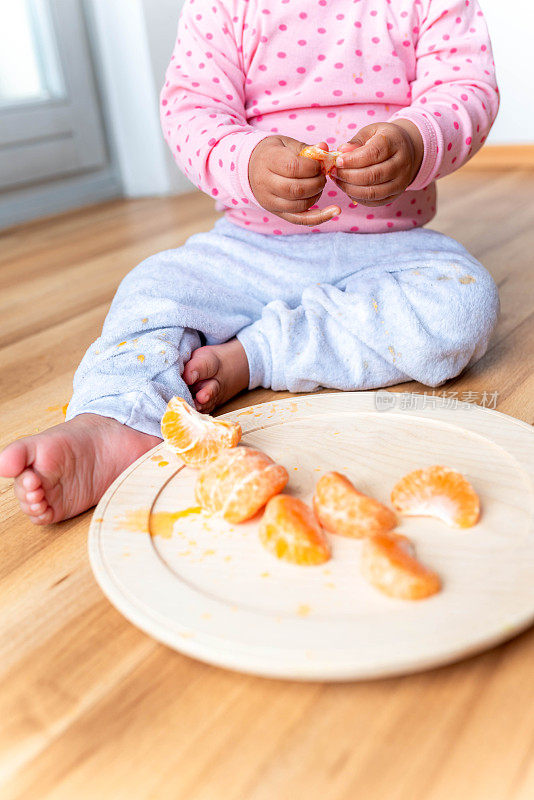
[(32, 502), (35, 497), (202, 366), (190, 374), (29, 480), (43, 519), (36, 509), (20, 492), (207, 394), (25, 507)]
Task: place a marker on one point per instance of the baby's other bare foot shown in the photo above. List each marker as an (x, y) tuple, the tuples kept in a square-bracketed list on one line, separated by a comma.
[(65, 470), (216, 373)]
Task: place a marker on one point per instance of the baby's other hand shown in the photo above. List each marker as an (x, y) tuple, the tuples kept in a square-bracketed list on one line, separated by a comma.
[(286, 184), (385, 162)]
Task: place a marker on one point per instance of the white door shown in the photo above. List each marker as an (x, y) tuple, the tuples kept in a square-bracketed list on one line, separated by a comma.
[(50, 120)]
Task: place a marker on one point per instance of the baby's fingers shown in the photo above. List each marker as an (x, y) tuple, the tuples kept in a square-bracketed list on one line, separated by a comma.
[(315, 217), (301, 189), (379, 148), (369, 194), (371, 176)]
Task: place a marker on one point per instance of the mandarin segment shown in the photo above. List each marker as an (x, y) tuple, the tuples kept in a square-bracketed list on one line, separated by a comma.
[(438, 492), (196, 438), (290, 531), (389, 564), (239, 482), (342, 509)]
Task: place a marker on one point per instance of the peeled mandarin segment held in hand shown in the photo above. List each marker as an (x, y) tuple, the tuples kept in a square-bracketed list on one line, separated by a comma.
[(438, 492), (342, 509), (238, 483), (196, 438), (389, 563), (327, 158), (290, 531)]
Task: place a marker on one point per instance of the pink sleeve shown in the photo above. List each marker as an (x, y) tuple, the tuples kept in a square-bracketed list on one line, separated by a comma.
[(202, 105), (454, 95)]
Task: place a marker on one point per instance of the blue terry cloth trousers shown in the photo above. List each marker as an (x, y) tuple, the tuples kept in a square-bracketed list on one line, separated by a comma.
[(340, 310)]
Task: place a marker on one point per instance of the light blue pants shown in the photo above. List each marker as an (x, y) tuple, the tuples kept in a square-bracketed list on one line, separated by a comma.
[(340, 310)]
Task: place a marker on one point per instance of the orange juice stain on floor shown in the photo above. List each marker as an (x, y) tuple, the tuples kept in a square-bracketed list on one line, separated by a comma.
[(63, 409)]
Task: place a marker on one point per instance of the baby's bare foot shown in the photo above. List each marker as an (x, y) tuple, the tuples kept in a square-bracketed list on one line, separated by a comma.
[(63, 471), (216, 373)]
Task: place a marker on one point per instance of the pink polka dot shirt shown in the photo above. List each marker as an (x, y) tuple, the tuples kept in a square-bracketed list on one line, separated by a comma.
[(321, 70)]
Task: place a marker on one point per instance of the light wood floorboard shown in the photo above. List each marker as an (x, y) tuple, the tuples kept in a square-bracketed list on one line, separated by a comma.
[(92, 708)]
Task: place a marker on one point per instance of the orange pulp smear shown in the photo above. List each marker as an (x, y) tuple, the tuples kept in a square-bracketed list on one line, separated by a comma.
[(326, 157)]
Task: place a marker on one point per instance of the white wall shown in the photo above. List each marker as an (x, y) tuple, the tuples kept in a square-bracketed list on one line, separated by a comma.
[(511, 23), (128, 47), (134, 42), (161, 20)]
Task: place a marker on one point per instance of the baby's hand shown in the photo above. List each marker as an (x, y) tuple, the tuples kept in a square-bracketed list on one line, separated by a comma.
[(286, 184), (385, 162)]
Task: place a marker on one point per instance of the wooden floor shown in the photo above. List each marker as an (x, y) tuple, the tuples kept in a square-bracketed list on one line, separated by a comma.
[(92, 708)]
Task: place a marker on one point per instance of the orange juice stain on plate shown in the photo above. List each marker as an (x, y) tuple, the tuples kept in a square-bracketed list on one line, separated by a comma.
[(159, 461), (135, 520), (162, 522), (140, 520)]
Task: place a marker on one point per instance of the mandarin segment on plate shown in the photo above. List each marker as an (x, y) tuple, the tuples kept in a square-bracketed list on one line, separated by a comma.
[(389, 563), (196, 438), (342, 509), (239, 482), (290, 531), (327, 158), (437, 492)]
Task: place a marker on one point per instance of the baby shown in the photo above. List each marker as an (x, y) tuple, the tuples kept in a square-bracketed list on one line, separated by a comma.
[(288, 291)]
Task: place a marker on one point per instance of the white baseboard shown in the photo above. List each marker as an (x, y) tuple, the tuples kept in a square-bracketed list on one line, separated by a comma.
[(32, 202)]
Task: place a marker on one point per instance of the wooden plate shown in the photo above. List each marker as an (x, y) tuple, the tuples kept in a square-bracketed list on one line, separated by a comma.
[(210, 590)]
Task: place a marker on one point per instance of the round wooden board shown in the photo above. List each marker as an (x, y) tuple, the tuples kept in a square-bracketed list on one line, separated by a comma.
[(209, 589)]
